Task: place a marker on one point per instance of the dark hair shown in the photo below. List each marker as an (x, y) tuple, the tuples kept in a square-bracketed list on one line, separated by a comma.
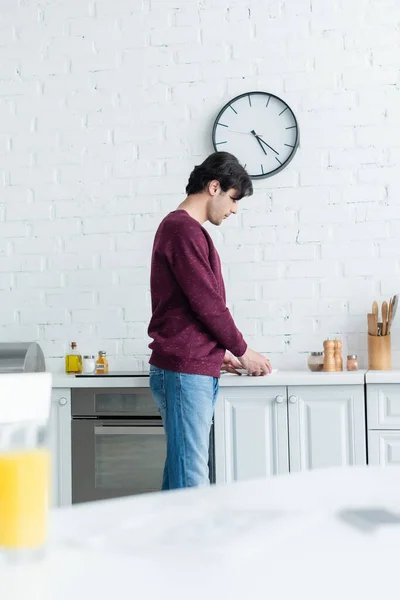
[(226, 169)]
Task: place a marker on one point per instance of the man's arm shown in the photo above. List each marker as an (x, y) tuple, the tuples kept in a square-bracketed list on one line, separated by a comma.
[(188, 258)]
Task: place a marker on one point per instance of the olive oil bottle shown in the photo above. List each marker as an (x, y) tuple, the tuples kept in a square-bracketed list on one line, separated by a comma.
[(73, 361)]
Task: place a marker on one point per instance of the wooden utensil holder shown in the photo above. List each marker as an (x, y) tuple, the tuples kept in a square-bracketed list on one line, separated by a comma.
[(379, 352)]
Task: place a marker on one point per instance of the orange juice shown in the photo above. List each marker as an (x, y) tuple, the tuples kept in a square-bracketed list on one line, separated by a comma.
[(24, 483)]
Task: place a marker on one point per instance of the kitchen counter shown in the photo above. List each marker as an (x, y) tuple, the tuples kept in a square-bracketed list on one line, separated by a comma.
[(382, 376), (331, 533), (280, 378)]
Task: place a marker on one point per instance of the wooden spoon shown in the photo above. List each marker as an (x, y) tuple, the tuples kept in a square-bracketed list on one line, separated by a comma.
[(385, 311), (390, 316), (375, 310), (372, 324), (395, 304)]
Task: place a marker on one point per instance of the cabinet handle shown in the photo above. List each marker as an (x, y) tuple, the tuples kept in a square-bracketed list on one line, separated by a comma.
[(293, 399), (63, 401), (279, 399)]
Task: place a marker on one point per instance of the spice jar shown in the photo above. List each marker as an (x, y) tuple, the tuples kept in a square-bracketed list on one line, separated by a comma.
[(88, 364), (352, 362), (101, 363), (316, 361)]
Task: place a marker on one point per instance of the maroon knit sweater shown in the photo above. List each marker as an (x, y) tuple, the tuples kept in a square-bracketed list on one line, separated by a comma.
[(191, 326)]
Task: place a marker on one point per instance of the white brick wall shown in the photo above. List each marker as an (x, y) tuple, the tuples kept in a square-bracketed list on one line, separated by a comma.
[(106, 105)]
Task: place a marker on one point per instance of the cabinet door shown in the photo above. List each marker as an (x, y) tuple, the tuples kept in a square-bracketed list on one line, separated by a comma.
[(384, 448), (60, 447), (326, 426), (383, 404), (251, 433)]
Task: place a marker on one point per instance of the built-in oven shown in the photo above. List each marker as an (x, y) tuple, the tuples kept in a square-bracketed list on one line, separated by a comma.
[(118, 444)]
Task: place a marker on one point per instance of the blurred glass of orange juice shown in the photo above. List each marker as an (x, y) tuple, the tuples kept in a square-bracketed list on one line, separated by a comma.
[(24, 463), (24, 491)]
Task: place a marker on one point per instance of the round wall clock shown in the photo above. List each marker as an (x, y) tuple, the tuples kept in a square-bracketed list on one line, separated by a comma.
[(260, 129)]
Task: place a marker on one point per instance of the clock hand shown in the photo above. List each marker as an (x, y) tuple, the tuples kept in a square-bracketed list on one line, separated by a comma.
[(241, 132), (270, 147), (258, 140)]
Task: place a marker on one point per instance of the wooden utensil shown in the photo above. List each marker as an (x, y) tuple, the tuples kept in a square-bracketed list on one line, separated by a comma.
[(395, 304), (385, 311), (375, 310), (390, 316), (372, 324)]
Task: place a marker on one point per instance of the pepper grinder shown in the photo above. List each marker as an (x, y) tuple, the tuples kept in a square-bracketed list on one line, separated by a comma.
[(329, 356), (338, 355)]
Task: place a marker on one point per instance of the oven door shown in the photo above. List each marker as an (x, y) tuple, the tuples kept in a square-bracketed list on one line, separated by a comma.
[(116, 457)]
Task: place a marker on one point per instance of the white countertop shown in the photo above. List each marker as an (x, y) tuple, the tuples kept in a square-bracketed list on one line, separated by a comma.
[(276, 379), (382, 376), (301, 535)]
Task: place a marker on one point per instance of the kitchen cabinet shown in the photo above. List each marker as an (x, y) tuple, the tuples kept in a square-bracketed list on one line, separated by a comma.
[(326, 426), (251, 433), (273, 430), (383, 448), (60, 446), (383, 410), (293, 421), (383, 403)]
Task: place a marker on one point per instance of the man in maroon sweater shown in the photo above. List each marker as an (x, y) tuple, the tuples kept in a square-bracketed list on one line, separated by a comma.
[(194, 334)]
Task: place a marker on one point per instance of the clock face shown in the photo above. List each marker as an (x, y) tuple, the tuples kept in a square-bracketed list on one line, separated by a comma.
[(259, 129)]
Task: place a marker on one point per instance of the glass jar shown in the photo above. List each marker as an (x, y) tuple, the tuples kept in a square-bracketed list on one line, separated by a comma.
[(316, 361), (352, 362), (102, 363), (88, 364)]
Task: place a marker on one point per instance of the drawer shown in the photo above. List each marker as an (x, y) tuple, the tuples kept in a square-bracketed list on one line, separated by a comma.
[(383, 406), (384, 448), (113, 402)]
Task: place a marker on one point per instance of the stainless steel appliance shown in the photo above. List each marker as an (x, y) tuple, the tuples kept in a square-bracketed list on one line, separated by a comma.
[(118, 443), (21, 357)]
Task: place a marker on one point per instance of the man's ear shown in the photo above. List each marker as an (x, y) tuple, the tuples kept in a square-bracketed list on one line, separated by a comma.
[(213, 187)]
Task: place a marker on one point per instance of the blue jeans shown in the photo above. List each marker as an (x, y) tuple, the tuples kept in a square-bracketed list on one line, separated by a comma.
[(186, 405)]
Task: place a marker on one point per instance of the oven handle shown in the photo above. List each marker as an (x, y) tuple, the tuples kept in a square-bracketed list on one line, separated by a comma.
[(128, 430)]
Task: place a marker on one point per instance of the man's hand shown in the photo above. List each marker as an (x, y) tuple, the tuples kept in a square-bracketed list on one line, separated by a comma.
[(255, 363), (230, 364)]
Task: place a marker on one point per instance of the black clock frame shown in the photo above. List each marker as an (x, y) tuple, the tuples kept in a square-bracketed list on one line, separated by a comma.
[(296, 144)]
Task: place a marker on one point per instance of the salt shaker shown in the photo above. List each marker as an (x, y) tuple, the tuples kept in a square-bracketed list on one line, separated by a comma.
[(329, 356), (338, 355)]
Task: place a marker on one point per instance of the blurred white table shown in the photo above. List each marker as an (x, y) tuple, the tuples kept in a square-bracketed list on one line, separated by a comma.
[(328, 534)]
